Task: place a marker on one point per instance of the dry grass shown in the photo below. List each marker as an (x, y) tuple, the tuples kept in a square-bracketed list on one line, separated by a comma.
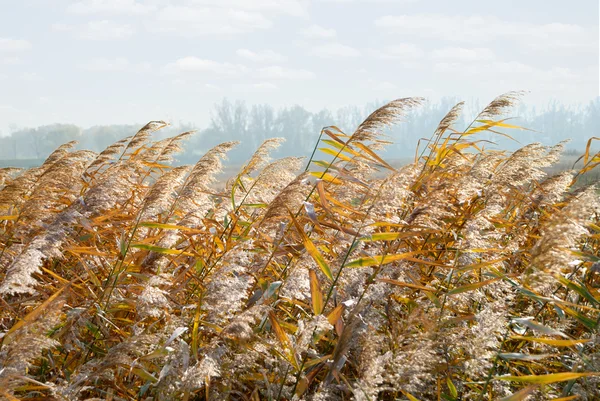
[(466, 275)]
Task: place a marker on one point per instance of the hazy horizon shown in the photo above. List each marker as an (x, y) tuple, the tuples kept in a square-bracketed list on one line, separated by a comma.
[(98, 62)]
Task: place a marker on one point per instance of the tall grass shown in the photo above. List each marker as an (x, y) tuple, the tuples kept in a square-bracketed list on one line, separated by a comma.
[(466, 275)]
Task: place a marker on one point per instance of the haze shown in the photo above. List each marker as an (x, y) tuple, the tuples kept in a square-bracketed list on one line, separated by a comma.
[(98, 62)]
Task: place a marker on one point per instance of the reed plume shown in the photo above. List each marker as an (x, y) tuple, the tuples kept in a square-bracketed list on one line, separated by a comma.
[(468, 274)]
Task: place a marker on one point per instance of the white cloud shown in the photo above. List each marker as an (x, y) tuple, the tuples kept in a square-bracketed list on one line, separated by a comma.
[(296, 8), (403, 51), (197, 21), (195, 65), (104, 30), (14, 45), (502, 68), (265, 56), (256, 87), (264, 85), (118, 64), (514, 75), (335, 50), (317, 31), (380, 85), (371, 1), (11, 60), (60, 27), (475, 28), (463, 54), (29, 76), (278, 72), (109, 7), (212, 87), (197, 17)]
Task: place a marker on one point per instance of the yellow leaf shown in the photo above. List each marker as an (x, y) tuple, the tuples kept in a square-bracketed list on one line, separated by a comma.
[(520, 395), (12, 217), (87, 250), (283, 339), (374, 155), (158, 249), (547, 379), (408, 285), (157, 165), (335, 314), (150, 224), (315, 293), (500, 123), (343, 148), (8, 396), (379, 259), (409, 396), (391, 236), (471, 287), (33, 315), (326, 177), (337, 153), (551, 341), (312, 250)]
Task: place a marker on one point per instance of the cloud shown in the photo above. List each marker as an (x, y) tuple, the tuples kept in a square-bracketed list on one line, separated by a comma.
[(380, 85), (463, 54), (29, 76), (118, 64), (109, 7), (475, 28), (265, 56), (335, 50), (278, 72), (296, 8), (264, 86), (14, 45), (403, 51), (371, 1), (103, 30), (212, 87), (256, 87), (11, 60), (317, 31), (199, 21), (196, 65), (515, 75)]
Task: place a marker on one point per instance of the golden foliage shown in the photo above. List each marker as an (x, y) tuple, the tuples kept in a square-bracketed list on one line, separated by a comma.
[(469, 274)]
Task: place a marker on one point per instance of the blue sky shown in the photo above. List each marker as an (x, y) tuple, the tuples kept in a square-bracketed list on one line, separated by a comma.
[(130, 61)]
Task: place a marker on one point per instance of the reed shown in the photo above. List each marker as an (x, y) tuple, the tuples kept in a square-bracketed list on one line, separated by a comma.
[(466, 275)]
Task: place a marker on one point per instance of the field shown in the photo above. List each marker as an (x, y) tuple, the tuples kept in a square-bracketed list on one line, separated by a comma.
[(463, 275)]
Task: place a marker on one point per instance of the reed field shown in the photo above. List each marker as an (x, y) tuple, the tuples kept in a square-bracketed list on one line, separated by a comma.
[(468, 274)]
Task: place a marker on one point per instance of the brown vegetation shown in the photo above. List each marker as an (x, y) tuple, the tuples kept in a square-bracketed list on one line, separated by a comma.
[(466, 275)]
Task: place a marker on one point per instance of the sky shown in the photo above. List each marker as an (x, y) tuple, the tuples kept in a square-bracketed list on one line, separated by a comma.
[(92, 62)]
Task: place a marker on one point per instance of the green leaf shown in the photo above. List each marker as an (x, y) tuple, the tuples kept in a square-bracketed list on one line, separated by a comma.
[(452, 388), (580, 289)]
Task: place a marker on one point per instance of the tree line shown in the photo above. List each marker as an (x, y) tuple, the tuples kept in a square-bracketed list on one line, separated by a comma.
[(300, 127)]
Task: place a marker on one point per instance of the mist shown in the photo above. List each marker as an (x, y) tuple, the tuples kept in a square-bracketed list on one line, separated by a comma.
[(251, 124)]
